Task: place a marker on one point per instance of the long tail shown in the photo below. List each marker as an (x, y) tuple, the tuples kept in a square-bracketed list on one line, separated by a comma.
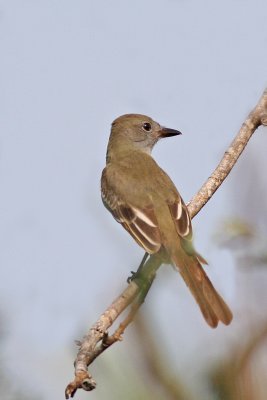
[(211, 304)]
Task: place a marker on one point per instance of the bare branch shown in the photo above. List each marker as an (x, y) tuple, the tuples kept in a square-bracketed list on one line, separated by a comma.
[(257, 117), (138, 288), (135, 293)]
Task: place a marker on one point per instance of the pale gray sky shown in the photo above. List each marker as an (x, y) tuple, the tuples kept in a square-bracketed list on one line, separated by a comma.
[(67, 70)]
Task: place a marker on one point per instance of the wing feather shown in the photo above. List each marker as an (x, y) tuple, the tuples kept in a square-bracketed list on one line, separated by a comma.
[(181, 218), (183, 225), (142, 224)]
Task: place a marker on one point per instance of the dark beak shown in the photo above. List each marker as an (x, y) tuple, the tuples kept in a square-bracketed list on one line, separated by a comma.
[(167, 132)]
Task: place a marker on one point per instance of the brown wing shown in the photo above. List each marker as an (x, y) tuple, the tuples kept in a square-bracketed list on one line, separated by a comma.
[(142, 224), (183, 226), (182, 219)]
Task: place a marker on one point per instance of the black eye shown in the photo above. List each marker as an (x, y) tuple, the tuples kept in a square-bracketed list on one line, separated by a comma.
[(147, 126)]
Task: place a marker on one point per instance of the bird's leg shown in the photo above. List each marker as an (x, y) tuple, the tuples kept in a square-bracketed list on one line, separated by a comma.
[(135, 274)]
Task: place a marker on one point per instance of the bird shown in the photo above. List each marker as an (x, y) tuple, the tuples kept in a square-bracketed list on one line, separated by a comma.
[(144, 200)]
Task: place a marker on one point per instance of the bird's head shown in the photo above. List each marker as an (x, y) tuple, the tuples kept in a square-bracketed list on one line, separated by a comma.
[(139, 132)]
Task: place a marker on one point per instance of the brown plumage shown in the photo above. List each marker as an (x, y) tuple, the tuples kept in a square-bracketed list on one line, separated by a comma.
[(142, 197)]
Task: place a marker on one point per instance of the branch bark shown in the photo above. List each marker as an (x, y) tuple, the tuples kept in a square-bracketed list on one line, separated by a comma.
[(139, 286)]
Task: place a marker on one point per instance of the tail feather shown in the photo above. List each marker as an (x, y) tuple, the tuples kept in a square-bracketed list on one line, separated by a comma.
[(211, 304)]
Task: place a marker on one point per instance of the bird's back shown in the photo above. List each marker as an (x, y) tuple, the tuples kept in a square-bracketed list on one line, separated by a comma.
[(138, 177)]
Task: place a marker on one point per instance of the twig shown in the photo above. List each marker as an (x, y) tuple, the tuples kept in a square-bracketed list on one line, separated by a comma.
[(88, 350)]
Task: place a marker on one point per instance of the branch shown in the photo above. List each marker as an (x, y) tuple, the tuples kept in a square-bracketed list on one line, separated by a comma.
[(89, 349), (139, 286), (257, 117)]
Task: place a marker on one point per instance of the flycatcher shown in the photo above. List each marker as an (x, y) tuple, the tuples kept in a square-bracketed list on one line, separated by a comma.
[(142, 197)]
